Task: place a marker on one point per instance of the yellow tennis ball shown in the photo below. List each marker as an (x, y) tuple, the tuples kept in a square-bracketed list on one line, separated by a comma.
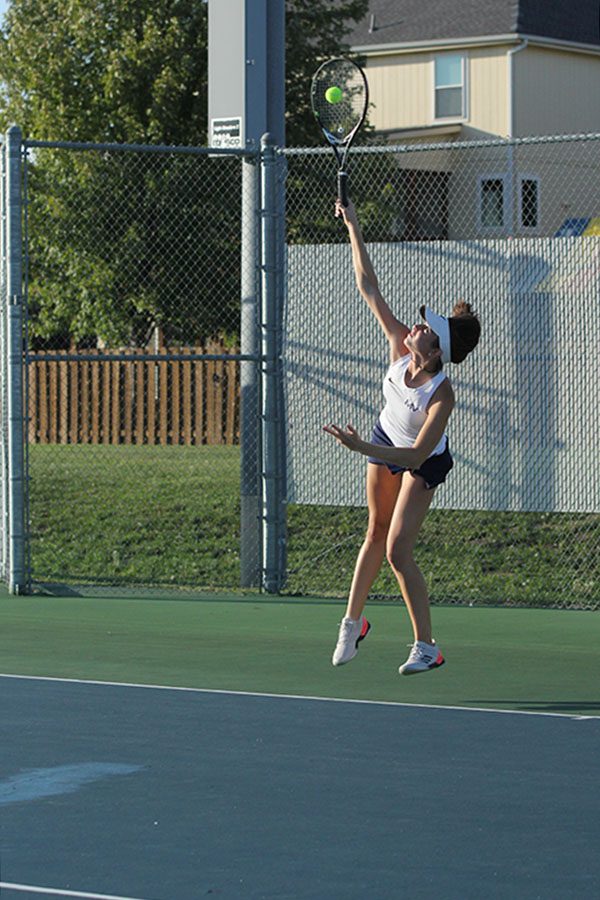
[(334, 94)]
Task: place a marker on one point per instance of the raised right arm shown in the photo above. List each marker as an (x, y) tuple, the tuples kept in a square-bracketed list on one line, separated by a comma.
[(368, 285)]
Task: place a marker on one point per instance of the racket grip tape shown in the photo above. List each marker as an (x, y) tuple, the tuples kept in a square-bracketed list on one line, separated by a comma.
[(343, 187)]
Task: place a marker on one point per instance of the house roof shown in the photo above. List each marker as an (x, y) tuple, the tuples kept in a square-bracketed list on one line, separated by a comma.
[(398, 22)]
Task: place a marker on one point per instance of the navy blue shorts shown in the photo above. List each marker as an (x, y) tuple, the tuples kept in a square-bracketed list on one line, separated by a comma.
[(434, 469)]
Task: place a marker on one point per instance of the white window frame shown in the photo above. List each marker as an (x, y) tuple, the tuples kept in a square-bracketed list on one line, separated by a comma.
[(493, 229), (464, 86), (523, 178)]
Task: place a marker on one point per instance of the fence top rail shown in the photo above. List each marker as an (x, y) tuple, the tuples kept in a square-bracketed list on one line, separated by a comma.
[(446, 145), (136, 356), (307, 151), (139, 148)]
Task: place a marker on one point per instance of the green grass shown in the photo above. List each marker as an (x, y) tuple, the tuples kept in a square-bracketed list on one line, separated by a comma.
[(152, 515), (170, 516), (466, 556)]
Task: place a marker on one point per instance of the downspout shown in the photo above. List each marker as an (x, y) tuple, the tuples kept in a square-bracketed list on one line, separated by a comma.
[(512, 206), (511, 87)]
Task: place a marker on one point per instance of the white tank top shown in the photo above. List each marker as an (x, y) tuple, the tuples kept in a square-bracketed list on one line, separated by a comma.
[(405, 411)]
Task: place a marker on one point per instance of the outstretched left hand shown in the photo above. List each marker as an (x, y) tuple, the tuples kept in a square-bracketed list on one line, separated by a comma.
[(349, 437)]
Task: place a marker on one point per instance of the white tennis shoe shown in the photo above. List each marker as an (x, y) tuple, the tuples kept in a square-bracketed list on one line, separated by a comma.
[(352, 632), (422, 658)]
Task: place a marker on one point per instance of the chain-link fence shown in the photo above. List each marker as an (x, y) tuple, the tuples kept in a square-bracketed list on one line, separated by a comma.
[(137, 270), (513, 228), (173, 403)]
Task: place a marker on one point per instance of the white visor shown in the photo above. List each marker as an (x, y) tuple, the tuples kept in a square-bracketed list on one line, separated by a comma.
[(441, 327)]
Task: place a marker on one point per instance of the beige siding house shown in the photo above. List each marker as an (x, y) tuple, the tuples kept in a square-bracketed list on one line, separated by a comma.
[(403, 94), (447, 71)]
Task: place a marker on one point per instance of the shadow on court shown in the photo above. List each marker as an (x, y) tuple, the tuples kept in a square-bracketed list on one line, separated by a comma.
[(570, 708)]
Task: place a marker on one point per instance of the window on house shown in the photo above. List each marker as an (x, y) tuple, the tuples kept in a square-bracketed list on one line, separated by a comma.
[(491, 202), (529, 202), (449, 87)]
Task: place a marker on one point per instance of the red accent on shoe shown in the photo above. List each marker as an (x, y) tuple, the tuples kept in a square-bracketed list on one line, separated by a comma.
[(365, 628)]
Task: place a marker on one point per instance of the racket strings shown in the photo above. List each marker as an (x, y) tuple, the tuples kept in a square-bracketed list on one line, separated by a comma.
[(342, 117)]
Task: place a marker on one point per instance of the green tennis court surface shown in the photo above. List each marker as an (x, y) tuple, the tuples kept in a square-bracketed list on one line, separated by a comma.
[(527, 660)]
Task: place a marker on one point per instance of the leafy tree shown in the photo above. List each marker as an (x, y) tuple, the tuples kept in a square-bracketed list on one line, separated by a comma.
[(106, 70), (119, 242)]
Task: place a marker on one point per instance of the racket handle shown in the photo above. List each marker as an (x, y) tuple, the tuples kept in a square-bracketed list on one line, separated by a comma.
[(343, 187)]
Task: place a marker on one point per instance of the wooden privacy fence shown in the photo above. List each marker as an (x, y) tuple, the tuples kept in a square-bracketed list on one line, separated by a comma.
[(134, 401)]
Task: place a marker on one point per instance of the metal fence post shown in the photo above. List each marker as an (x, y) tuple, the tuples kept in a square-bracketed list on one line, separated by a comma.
[(3, 368), (250, 436), (14, 348), (511, 199), (273, 499), (282, 416)]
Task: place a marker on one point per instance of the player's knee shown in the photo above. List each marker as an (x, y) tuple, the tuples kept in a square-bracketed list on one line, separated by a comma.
[(377, 530), (399, 554)]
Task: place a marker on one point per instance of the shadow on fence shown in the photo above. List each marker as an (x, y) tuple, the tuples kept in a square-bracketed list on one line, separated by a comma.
[(170, 401)]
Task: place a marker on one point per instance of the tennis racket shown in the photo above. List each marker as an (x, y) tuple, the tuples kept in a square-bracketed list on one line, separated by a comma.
[(339, 97)]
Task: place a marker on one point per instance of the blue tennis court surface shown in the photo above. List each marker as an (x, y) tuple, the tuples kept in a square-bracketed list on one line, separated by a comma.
[(166, 794)]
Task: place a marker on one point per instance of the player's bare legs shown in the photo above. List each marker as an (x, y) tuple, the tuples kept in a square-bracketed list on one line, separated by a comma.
[(382, 491), (413, 501)]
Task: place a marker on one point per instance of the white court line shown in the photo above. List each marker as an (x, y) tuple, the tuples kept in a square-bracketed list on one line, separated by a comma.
[(57, 892), (396, 703)]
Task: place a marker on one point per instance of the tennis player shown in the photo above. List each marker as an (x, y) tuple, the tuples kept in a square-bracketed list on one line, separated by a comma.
[(408, 454)]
